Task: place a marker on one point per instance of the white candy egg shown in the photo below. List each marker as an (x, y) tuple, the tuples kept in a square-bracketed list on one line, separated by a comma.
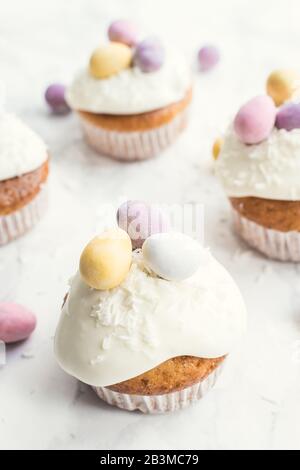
[(173, 256)]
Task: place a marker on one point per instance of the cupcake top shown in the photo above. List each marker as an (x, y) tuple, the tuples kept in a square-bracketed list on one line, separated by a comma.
[(260, 152), (21, 149), (128, 76), (169, 299)]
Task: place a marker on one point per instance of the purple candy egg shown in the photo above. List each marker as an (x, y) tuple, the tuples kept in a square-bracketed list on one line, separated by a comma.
[(255, 120), (149, 55), (16, 322), (55, 97), (208, 57), (141, 220), (123, 31), (288, 117)]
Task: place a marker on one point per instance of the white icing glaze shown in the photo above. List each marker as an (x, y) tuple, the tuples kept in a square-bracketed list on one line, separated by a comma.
[(131, 91), (105, 337), (268, 170), (21, 150)]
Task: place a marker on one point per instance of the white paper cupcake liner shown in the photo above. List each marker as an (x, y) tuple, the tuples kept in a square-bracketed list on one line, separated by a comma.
[(21, 221), (136, 145), (283, 246), (160, 403)]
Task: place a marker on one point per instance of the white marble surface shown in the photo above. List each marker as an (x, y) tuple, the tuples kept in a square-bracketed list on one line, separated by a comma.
[(256, 404)]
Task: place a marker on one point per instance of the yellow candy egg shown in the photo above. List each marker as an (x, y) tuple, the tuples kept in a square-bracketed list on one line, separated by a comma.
[(281, 85), (217, 147), (110, 59), (106, 260)]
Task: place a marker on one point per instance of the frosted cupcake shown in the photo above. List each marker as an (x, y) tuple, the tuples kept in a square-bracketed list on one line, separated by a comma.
[(23, 176), (149, 329), (133, 97), (259, 168)]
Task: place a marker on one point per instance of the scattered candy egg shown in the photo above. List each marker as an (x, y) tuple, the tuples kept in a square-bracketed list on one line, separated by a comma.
[(55, 98), (173, 256), (123, 31), (149, 55), (141, 220), (110, 59), (106, 260), (208, 57), (281, 84), (255, 120), (216, 149), (288, 117), (16, 322)]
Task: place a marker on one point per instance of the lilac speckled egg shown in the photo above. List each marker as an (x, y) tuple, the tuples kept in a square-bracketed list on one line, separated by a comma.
[(141, 220), (149, 55), (123, 31), (288, 117), (255, 120), (16, 322), (208, 57), (55, 97)]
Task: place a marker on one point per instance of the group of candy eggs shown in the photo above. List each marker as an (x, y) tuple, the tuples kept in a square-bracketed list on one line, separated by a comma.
[(256, 119), (125, 50), (172, 256)]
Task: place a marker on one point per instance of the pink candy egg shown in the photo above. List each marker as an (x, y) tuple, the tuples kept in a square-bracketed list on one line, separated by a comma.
[(141, 220), (255, 120), (208, 57), (16, 322), (123, 31)]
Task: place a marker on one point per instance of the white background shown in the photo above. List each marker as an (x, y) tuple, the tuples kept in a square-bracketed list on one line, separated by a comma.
[(256, 402)]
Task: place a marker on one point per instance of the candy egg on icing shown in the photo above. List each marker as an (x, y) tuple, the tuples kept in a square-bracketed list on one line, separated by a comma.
[(288, 117), (281, 84), (16, 322), (123, 31), (173, 256), (217, 146), (255, 120), (106, 260), (149, 55), (140, 220), (110, 59)]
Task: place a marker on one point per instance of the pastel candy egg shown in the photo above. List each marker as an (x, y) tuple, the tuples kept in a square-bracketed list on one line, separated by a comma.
[(16, 322), (173, 256), (281, 85), (216, 149), (55, 98), (208, 57), (141, 220), (110, 59), (106, 260), (149, 55), (288, 117), (123, 31), (255, 120)]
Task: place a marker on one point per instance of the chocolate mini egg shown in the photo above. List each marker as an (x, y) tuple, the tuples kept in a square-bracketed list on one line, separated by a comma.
[(110, 59), (255, 120), (123, 31), (216, 149), (281, 85), (16, 322), (208, 57), (140, 220), (149, 55), (173, 256), (288, 117), (106, 260), (55, 98)]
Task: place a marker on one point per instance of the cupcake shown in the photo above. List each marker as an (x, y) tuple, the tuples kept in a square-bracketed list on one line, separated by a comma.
[(259, 168), (133, 97), (23, 177), (148, 329)]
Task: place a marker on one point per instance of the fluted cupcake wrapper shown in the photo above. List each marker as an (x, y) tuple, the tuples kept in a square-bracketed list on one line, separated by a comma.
[(136, 145), (17, 223), (283, 246), (160, 403)]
